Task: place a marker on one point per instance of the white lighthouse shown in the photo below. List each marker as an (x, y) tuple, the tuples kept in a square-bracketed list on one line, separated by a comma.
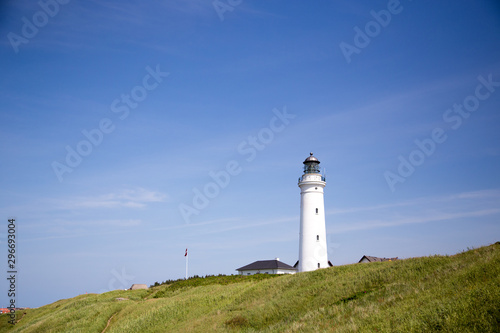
[(312, 240)]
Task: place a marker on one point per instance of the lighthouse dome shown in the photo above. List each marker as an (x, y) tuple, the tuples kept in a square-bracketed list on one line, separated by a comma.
[(311, 159), (311, 164)]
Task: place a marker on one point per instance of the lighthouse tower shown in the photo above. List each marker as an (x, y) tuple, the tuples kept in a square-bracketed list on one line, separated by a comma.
[(312, 240)]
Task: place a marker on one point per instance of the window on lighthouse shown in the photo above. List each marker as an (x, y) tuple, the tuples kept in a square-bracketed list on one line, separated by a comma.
[(318, 265), (317, 210), (317, 237)]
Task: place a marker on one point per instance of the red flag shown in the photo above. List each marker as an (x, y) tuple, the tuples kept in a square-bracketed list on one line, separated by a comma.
[(185, 254)]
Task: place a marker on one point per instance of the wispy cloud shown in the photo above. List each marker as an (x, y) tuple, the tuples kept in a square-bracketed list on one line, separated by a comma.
[(419, 210), (63, 228), (394, 222), (199, 224), (386, 108), (254, 225), (457, 206), (493, 194), (127, 198)]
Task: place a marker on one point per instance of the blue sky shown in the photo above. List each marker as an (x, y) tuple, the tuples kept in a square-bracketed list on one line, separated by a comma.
[(398, 100)]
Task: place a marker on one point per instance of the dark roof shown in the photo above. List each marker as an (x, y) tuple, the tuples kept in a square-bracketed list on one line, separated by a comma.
[(376, 259), (265, 264), (311, 158), (136, 286)]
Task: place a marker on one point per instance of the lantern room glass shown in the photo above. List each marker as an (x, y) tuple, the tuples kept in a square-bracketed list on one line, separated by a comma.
[(311, 167)]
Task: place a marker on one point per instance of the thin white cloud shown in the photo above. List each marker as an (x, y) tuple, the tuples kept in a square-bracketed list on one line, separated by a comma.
[(63, 229), (385, 106), (128, 198), (492, 195), (480, 194), (473, 204), (116, 223), (420, 210), (254, 225), (376, 224), (190, 225)]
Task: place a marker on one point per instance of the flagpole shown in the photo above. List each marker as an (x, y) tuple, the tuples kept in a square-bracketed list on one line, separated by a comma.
[(187, 256)]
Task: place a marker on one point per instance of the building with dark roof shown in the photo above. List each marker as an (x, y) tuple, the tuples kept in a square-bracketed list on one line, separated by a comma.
[(136, 286), (267, 267), (375, 259)]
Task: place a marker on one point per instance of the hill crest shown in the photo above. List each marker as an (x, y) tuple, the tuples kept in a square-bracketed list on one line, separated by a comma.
[(449, 293)]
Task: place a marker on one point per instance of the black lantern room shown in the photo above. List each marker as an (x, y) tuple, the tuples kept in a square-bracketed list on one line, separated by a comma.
[(311, 164)]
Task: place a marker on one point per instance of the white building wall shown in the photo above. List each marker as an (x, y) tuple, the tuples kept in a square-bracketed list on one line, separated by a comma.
[(267, 271), (312, 243), (285, 271)]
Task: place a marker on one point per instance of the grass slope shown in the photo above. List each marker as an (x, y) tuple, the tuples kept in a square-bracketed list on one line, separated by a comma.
[(459, 293)]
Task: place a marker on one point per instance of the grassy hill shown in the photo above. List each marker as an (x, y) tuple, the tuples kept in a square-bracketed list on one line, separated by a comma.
[(459, 293)]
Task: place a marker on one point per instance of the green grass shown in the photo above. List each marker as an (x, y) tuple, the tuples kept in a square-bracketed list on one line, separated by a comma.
[(459, 293)]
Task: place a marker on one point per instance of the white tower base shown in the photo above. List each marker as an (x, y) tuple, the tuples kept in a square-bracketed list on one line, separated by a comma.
[(313, 252)]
